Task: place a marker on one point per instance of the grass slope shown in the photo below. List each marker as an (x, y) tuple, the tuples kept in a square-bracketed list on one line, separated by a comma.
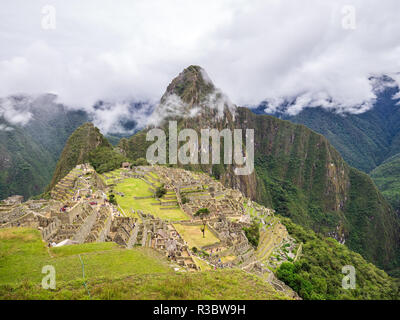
[(112, 273)]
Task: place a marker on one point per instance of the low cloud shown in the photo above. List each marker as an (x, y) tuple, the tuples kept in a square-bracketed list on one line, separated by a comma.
[(4, 127), (15, 110), (121, 117)]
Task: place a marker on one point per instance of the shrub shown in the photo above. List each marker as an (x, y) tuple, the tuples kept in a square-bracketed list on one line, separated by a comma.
[(160, 191), (253, 234)]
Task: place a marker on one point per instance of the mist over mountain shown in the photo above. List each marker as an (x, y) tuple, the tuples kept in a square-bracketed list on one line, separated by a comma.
[(34, 130)]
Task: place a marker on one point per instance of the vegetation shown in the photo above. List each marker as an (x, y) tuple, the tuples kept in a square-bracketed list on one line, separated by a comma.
[(387, 178), (105, 159), (24, 254), (253, 233), (112, 199), (29, 154), (318, 272), (77, 150), (160, 192), (364, 140), (184, 200), (203, 213), (304, 178), (140, 162)]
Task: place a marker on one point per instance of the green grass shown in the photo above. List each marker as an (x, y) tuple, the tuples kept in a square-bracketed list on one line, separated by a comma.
[(138, 188), (112, 273), (24, 254), (201, 264), (194, 237), (208, 285)]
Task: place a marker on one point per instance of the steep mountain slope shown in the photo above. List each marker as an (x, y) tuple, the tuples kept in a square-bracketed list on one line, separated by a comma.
[(80, 144), (318, 272), (306, 179), (387, 178), (29, 152), (298, 172), (23, 164), (364, 140)]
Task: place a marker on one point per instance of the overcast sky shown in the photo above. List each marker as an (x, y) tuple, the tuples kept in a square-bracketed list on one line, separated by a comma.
[(252, 50)]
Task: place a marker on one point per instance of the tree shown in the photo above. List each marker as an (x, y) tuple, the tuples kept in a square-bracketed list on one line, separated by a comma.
[(140, 162), (203, 213), (160, 191), (184, 200), (112, 199)]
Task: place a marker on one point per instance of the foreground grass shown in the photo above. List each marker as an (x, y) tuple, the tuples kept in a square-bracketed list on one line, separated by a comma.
[(23, 255), (209, 285), (112, 273)]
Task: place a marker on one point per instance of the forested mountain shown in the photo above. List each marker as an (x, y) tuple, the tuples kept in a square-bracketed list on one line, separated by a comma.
[(366, 140), (387, 178), (29, 152)]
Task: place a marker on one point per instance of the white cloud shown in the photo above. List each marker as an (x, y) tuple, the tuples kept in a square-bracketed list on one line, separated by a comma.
[(15, 110), (121, 117), (253, 50), (4, 127)]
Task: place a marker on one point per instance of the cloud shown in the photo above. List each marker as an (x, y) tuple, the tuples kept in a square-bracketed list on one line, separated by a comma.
[(4, 127), (254, 50), (121, 117), (15, 110)]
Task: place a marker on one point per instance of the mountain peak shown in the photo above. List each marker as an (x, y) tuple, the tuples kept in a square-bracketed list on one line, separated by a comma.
[(192, 85), (191, 94), (80, 144)]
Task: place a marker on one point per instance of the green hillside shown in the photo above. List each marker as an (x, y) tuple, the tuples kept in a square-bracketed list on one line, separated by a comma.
[(318, 272), (28, 154), (364, 140), (387, 178), (25, 166), (77, 150), (367, 141), (304, 178)]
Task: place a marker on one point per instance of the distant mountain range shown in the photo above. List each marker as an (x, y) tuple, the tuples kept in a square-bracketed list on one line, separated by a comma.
[(366, 141)]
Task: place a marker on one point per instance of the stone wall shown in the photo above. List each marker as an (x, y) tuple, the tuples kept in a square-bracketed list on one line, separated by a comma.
[(85, 228), (51, 229)]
